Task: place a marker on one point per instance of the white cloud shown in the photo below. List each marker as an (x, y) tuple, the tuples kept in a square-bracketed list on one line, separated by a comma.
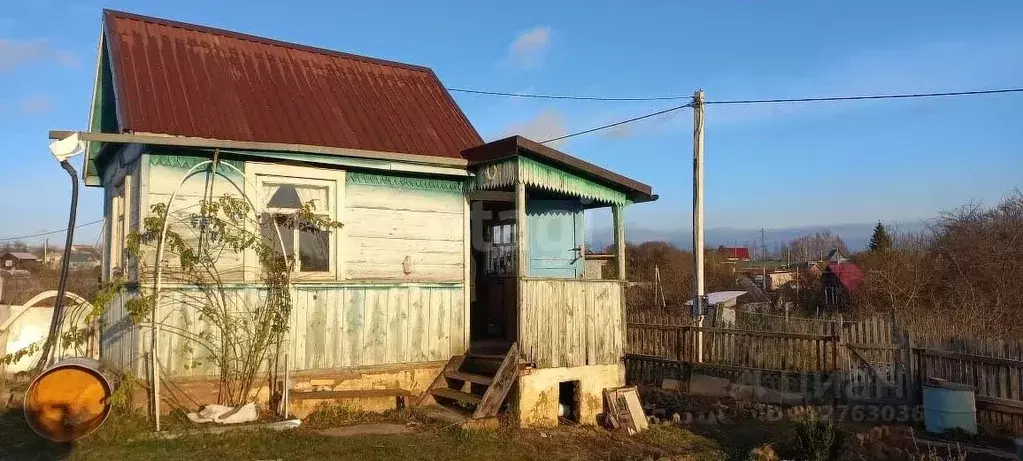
[(528, 49), (36, 105), (547, 124), (15, 53)]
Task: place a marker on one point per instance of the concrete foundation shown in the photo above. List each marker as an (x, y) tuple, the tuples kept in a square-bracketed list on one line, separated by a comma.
[(375, 388), (535, 402)]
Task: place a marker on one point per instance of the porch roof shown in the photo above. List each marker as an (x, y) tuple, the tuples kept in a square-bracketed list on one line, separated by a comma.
[(541, 166)]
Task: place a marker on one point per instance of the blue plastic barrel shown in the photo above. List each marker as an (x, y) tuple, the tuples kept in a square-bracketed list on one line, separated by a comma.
[(949, 406)]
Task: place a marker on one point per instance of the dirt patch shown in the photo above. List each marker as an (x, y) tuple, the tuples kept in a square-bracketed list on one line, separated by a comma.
[(367, 429)]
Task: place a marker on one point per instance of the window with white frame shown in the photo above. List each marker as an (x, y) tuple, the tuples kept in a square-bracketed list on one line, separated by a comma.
[(282, 192)]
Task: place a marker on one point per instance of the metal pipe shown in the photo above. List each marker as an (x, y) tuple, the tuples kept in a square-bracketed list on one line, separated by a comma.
[(58, 305)]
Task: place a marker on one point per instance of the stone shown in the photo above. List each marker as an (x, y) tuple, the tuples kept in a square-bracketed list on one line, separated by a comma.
[(708, 386), (741, 392), (670, 384), (764, 453)]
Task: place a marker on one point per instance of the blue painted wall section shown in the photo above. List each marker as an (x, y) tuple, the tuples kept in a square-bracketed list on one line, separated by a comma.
[(555, 230)]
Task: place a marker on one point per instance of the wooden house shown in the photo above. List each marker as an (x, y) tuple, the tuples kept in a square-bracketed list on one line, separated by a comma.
[(457, 276)]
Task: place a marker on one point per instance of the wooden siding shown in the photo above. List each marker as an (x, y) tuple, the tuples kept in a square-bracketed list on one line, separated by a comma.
[(567, 323), (164, 173), (333, 326), (120, 340), (384, 225)]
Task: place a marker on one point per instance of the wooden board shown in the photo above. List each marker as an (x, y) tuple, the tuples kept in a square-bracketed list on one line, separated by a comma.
[(440, 381), (502, 384), (631, 398)]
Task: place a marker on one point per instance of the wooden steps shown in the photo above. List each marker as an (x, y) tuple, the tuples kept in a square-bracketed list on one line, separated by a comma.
[(469, 377), (480, 382), (451, 394)]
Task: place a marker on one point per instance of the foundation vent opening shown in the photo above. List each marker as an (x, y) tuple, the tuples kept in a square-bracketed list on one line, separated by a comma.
[(568, 402)]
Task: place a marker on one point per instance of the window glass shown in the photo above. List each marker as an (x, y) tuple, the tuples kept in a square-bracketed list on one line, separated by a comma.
[(314, 250), (313, 243)]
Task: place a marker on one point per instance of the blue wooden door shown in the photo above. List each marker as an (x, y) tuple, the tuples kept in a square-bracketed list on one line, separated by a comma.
[(554, 229)]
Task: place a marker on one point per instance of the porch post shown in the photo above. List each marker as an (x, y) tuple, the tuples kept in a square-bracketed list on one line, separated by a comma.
[(617, 211), (619, 223), (521, 244)]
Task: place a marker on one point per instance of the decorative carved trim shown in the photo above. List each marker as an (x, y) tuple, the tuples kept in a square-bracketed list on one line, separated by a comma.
[(184, 162), (404, 182), (504, 173)]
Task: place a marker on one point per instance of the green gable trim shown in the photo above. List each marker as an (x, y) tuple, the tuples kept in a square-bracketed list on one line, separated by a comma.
[(537, 174), (184, 162), (403, 182), (103, 114)]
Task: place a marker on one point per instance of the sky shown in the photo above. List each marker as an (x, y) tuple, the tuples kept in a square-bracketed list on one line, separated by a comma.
[(767, 166)]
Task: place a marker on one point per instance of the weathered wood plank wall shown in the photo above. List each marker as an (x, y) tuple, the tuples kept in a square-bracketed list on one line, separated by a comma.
[(384, 225), (119, 342), (337, 326), (569, 322), (399, 297)]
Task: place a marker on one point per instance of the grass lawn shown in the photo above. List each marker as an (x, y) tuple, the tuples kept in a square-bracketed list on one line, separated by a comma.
[(124, 437)]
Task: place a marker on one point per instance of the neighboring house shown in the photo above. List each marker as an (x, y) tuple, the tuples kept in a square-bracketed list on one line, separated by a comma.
[(809, 269), (839, 280), (82, 258), (835, 256), (83, 261), (17, 260), (52, 258), (734, 254), (777, 279), (450, 245), (720, 307)]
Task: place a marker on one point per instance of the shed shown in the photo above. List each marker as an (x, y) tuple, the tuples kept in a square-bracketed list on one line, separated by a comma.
[(17, 260), (458, 272)]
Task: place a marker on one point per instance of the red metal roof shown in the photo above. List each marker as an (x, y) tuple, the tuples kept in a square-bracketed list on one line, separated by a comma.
[(734, 252), (187, 80), (847, 273)]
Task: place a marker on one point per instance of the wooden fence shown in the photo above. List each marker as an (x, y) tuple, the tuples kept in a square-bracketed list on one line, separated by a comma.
[(872, 360), (734, 347), (998, 383)]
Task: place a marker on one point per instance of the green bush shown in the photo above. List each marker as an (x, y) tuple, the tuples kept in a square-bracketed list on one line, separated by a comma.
[(816, 440)]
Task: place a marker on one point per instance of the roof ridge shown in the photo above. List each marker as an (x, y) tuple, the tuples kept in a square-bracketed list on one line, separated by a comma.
[(264, 40)]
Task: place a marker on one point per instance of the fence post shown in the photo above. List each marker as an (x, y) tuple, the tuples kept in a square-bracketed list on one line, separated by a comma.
[(836, 373), (680, 344)]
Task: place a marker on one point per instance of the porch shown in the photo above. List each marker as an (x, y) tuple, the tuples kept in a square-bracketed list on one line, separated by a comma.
[(535, 312)]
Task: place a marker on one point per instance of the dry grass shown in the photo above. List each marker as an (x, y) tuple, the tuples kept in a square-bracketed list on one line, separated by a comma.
[(124, 437)]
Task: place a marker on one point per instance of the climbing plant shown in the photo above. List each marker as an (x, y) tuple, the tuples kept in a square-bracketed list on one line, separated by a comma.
[(245, 325)]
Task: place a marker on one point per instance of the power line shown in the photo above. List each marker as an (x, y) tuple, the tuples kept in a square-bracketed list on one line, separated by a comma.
[(736, 101), (794, 100), (568, 97), (612, 125), (868, 97), (58, 231)]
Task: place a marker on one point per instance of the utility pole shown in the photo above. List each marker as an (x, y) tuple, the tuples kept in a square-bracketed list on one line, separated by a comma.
[(698, 218), (763, 245)]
